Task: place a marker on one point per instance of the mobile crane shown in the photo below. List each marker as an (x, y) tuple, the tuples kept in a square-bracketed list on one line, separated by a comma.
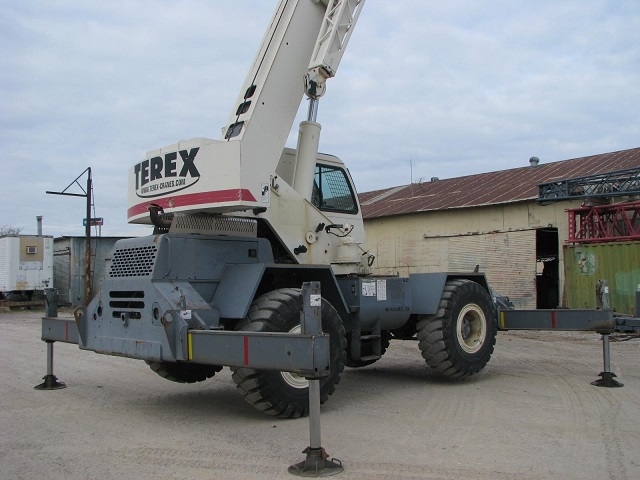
[(242, 222)]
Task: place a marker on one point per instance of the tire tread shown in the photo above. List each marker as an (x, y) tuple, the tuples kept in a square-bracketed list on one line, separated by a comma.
[(436, 333)]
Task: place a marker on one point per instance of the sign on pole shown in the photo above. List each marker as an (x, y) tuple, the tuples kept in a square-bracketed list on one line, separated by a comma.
[(94, 222)]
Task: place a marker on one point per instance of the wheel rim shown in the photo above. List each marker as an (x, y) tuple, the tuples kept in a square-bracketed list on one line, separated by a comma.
[(471, 328), (293, 379)]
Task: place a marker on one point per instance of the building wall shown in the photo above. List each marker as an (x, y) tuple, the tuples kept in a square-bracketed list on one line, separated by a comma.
[(500, 239)]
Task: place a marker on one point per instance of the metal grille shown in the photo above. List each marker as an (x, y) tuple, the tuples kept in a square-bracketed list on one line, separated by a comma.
[(133, 262), (214, 225), (126, 305)]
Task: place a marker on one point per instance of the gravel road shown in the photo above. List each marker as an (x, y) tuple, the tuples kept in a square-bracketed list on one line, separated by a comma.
[(531, 414)]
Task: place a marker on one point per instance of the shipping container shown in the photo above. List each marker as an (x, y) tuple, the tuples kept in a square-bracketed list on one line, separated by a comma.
[(618, 263)]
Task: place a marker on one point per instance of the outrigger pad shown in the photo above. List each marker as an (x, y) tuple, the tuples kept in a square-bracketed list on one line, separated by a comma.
[(607, 381), (50, 383), (317, 464)]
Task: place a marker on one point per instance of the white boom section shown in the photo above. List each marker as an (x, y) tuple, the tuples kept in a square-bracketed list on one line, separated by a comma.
[(273, 88), (337, 27), (234, 174)]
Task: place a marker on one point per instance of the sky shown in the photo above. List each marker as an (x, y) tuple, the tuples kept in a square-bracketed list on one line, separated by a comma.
[(425, 89)]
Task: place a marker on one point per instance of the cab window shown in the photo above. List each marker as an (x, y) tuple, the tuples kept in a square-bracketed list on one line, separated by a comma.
[(332, 191)]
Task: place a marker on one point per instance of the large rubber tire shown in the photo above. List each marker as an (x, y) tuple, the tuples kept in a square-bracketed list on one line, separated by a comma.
[(458, 340), (366, 350), (285, 394), (184, 372)]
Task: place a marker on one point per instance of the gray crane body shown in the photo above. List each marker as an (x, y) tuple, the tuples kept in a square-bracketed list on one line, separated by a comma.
[(209, 282)]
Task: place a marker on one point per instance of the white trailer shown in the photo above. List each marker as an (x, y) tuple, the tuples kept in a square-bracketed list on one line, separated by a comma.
[(26, 264)]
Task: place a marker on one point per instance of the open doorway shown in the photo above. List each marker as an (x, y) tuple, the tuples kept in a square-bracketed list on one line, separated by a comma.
[(547, 268)]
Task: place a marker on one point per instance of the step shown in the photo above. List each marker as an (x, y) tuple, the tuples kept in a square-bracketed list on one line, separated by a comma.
[(369, 337), (370, 357)]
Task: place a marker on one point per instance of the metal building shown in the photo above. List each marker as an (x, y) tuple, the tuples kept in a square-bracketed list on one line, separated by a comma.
[(69, 266), (493, 222)]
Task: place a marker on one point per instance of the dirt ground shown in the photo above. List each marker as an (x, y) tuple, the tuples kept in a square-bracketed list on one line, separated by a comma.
[(531, 414)]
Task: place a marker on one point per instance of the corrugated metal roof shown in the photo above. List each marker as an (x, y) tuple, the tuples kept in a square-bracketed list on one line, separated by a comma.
[(505, 186)]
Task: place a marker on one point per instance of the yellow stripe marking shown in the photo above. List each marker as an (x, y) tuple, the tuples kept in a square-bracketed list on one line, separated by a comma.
[(189, 347), (501, 319)]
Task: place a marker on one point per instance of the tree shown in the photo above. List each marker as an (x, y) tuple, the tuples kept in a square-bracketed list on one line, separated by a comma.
[(9, 230)]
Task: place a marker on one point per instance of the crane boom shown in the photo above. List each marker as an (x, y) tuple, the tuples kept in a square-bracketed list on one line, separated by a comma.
[(611, 184), (337, 26), (272, 90), (305, 40)]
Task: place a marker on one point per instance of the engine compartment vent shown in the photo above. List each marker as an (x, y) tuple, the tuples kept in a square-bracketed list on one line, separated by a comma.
[(214, 225), (126, 304), (133, 262)]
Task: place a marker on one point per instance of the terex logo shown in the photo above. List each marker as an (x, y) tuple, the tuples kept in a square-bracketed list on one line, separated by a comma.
[(158, 176)]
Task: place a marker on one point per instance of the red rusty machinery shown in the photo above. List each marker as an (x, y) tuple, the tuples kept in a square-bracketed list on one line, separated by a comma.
[(605, 223)]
